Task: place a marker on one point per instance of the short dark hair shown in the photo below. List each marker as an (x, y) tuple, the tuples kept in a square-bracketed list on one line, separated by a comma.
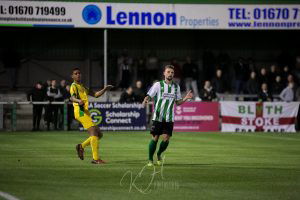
[(74, 69), (169, 67)]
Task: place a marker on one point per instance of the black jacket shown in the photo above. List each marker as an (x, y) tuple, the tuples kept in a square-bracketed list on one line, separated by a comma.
[(126, 98), (206, 95), (262, 96), (36, 94)]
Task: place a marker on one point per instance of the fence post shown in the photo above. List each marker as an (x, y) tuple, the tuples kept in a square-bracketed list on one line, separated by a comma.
[(65, 116), (14, 117)]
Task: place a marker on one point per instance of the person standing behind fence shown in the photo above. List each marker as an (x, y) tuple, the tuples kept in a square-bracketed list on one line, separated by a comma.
[(241, 75), (219, 83), (208, 93), (138, 91), (277, 86), (191, 73), (36, 94), (252, 86), (64, 92), (127, 96), (264, 94), (53, 94), (287, 93)]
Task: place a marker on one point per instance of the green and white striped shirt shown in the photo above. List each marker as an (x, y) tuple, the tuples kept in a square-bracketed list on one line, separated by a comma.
[(164, 96)]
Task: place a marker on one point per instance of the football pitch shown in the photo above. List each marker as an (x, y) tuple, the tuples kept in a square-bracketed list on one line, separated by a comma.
[(44, 165)]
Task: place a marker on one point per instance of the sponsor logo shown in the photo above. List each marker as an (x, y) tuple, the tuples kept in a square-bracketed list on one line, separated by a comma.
[(96, 116), (91, 14)]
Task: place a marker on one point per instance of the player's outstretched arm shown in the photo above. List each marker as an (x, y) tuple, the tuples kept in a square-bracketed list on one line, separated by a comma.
[(189, 95), (101, 92), (146, 101)]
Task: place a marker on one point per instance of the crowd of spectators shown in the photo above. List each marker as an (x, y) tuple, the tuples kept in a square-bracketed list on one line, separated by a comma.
[(217, 76), (53, 113), (259, 83)]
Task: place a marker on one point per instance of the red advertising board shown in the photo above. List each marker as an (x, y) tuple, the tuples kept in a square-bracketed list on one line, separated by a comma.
[(197, 117)]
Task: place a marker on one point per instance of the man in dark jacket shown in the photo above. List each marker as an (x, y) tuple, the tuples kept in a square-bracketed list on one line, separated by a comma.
[(207, 93), (139, 93), (53, 94), (127, 96), (264, 94), (219, 83), (36, 94), (252, 85)]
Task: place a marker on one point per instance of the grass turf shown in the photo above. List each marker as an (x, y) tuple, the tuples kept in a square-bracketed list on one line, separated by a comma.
[(44, 165)]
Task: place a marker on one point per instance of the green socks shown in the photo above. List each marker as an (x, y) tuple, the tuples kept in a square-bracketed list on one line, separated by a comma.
[(152, 148), (163, 146)]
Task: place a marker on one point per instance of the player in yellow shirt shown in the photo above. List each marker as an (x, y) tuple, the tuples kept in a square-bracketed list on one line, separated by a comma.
[(79, 97)]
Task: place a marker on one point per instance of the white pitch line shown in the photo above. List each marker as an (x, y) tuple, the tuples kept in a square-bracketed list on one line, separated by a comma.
[(8, 196)]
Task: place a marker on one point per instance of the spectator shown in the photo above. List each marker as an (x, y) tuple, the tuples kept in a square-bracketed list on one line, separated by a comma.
[(127, 96), (273, 73), (286, 72), (290, 79), (264, 94), (190, 73), (62, 88), (139, 92), (277, 86), (63, 91), (218, 83), (207, 93), (241, 75), (252, 85), (287, 94), (53, 94), (36, 94), (263, 77)]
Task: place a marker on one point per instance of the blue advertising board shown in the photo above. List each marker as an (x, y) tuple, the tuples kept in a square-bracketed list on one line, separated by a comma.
[(117, 116)]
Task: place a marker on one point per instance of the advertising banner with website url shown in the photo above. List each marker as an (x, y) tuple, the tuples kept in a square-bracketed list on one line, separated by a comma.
[(197, 117), (117, 116), (149, 16), (259, 116)]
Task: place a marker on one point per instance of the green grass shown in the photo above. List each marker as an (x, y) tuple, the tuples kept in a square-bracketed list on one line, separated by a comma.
[(198, 166)]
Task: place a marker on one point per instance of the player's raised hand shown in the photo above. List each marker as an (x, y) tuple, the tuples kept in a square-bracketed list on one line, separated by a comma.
[(146, 101), (108, 87), (189, 95)]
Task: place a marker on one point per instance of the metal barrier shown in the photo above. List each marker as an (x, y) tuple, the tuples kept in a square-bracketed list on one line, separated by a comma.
[(14, 111)]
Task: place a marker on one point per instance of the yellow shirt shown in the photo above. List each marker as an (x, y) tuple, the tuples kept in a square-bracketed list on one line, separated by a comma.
[(80, 92)]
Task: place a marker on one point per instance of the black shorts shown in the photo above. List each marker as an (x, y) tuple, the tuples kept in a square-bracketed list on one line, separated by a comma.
[(159, 128)]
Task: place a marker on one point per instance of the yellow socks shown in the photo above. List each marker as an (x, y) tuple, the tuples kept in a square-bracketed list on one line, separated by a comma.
[(95, 147), (86, 143)]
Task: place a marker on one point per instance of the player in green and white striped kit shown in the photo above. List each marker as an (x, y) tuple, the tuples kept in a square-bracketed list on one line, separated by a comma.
[(165, 94)]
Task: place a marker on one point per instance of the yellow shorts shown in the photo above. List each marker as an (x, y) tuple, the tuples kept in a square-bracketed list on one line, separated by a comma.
[(85, 120)]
